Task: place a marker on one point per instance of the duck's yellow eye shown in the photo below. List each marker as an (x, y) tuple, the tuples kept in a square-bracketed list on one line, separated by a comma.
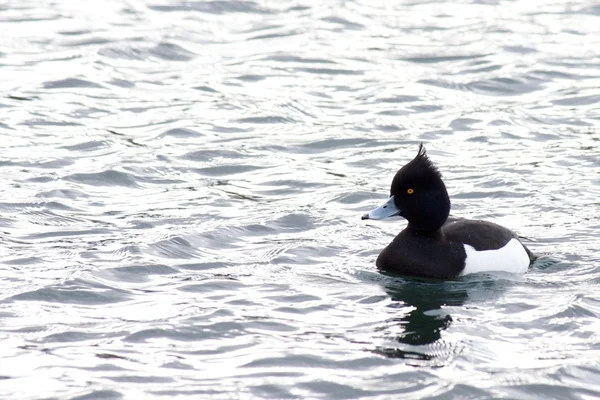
[(410, 191)]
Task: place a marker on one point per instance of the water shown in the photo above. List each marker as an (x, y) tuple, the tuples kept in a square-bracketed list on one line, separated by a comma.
[(182, 185)]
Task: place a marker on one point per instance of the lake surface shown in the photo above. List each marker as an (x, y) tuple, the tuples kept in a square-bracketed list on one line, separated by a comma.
[(183, 181)]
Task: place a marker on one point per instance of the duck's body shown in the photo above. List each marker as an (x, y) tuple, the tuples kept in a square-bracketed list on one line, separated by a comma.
[(434, 246), (460, 247)]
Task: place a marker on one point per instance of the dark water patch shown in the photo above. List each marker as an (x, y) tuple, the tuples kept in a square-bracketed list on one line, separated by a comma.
[(74, 336), (71, 83), (578, 101), (175, 247), (215, 7), (500, 122), (505, 86), (212, 331), (181, 133), (344, 22), (390, 128), (310, 361), (51, 164), (501, 194), (328, 71), (99, 395), (265, 120), (393, 113), (463, 124), (105, 178), (48, 123), (31, 19), (22, 98), (24, 261), (75, 291), (482, 69), (289, 188), (75, 32), (550, 263), (426, 108), (288, 58), (444, 84), (41, 207), (520, 49), (546, 390), (354, 197), (229, 129), (212, 285), (592, 10), (216, 239), (171, 52), (122, 83), (272, 391), (306, 254), (295, 222), (296, 298), (130, 53), (177, 365), (303, 310), (87, 146), (136, 273), (202, 266), (398, 99), (211, 351), (332, 390), (331, 144), (257, 230), (145, 379), (198, 393), (442, 59), (251, 78), (207, 89), (227, 170), (268, 326), (553, 74), (50, 218), (574, 311), (70, 194), (208, 155), (90, 41)]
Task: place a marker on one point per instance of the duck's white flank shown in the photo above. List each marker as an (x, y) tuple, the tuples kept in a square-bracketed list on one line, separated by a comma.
[(510, 258)]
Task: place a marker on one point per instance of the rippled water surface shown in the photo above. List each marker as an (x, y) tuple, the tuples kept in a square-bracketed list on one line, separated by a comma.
[(182, 185)]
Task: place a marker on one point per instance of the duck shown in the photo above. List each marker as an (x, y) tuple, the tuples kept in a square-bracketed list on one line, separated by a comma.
[(435, 245)]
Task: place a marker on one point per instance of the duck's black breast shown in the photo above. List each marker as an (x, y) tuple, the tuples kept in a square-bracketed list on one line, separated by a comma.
[(432, 256)]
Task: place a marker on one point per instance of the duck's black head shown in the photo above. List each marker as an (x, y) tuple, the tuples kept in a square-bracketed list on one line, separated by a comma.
[(417, 194)]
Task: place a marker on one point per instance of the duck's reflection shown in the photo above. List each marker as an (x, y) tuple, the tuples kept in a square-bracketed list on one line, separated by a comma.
[(423, 326)]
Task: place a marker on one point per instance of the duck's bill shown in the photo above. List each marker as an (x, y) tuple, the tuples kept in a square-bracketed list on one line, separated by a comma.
[(386, 210)]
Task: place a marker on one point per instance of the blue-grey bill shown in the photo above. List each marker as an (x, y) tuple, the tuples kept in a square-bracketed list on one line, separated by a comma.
[(388, 209)]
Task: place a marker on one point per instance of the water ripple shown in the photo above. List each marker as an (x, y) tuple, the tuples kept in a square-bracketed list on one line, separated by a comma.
[(183, 183)]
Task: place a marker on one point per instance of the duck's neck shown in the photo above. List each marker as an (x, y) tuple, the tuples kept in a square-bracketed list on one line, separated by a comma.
[(418, 231), (430, 223)]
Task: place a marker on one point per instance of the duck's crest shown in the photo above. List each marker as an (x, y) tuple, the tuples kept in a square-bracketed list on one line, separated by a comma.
[(424, 162)]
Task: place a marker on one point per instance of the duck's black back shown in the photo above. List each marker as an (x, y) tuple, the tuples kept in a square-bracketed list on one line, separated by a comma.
[(481, 235)]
